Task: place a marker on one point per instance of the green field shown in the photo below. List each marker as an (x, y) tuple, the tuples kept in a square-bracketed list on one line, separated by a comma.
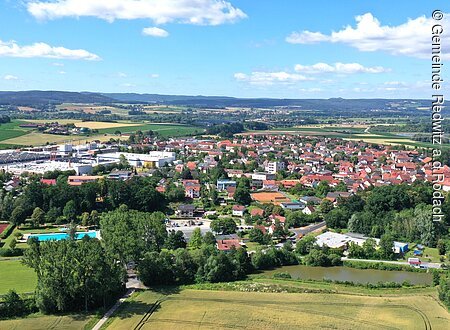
[(210, 309), (12, 130), (17, 136), (162, 129), (14, 275)]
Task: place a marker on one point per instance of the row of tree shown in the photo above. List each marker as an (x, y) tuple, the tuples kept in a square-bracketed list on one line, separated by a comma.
[(65, 203)]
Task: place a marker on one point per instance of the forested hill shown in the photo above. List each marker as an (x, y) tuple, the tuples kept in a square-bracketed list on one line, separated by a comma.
[(308, 104), (33, 98)]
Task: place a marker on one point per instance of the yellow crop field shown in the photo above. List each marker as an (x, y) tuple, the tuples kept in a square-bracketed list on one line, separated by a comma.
[(87, 124), (60, 121), (197, 309), (40, 322), (381, 140), (101, 124)]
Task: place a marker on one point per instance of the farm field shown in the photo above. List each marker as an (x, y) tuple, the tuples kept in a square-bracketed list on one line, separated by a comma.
[(12, 130), (164, 129), (350, 133), (37, 138), (106, 130), (198, 309), (87, 124), (115, 110), (40, 322), (87, 108), (14, 275)]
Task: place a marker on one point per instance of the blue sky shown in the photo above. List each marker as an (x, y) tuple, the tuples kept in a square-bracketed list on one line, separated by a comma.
[(243, 48)]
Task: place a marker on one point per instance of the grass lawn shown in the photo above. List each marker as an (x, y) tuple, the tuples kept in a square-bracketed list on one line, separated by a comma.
[(40, 322), (429, 254), (14, 275), (216, 309), (252, 246)]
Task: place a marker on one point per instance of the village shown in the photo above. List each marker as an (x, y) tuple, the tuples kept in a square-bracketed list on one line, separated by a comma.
[(273, 187)]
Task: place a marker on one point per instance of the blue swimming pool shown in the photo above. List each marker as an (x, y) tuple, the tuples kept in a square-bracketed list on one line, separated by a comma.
[(60, 236)]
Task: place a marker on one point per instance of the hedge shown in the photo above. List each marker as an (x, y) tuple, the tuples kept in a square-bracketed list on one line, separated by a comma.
[(7, 231), (11, 252), (381, 266)]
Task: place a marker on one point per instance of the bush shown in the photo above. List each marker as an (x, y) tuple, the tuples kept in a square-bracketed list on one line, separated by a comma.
[(381, 266), (11, 252), (282, 275), (12, 305)]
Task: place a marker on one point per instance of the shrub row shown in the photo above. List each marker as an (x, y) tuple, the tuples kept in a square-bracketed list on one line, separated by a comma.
[(13, 305), (381, 266), (10, 252)]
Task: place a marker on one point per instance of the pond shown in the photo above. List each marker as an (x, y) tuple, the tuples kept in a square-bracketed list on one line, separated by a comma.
[(361, 276)]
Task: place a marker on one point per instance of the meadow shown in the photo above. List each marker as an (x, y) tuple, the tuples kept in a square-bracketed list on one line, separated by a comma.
[(14, 275), (12, 130), (214, 309)]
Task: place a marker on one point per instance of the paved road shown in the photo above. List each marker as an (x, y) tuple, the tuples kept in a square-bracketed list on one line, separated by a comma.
[(112, 310)]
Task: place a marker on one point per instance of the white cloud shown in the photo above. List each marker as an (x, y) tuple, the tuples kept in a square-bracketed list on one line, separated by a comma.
[(306, 37), (154, 75), (270, 78), (10, 77), (155, 32), (57, 64), (412, 38), (62, 72), (395, 83), (122, 75), (40, 49), (311, 90), (198, 12), (340, 68)]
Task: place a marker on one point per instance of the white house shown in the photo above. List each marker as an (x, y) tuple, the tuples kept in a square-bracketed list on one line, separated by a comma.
[(238, 210)]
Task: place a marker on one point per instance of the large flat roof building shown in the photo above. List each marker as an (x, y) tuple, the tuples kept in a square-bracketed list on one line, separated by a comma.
[(150, 160)]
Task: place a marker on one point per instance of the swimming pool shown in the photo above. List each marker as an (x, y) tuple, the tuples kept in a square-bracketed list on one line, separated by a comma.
[(60, 236)]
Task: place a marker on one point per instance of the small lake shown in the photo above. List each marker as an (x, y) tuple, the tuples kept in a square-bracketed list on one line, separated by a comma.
[(361, 276)]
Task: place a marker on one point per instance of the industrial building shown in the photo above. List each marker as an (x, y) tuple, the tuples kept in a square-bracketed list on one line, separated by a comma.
[(150, 160)]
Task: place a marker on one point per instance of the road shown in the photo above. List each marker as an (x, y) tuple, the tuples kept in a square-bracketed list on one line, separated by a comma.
[(112, 310)]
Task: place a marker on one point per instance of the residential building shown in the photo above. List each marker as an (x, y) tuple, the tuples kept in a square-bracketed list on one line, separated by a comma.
[(238, 210), (185, 211), (224, 184)]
